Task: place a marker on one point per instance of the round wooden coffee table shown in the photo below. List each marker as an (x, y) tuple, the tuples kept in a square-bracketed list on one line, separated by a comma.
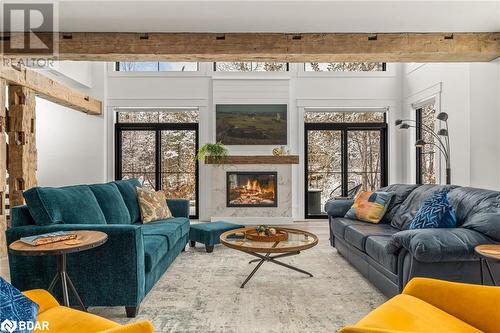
[(298, 240), (488, 252), (89, 239)]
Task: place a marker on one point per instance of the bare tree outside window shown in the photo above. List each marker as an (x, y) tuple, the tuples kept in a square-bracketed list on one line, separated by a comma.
[(345, 66), (156, 66), (428, 154), (251, 66)]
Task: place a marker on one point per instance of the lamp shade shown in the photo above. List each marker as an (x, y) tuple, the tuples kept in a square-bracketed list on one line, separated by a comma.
[(443, 132), (420, 143), (404, 126), (442, 116)]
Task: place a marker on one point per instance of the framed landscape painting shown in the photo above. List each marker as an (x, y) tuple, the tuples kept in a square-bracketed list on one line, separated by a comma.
[(251, 124)]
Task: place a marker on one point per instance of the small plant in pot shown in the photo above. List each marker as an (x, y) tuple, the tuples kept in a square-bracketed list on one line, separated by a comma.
[(216, 151)]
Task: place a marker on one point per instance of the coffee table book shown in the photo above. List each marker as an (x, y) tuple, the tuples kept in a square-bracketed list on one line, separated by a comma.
[(48, 238)]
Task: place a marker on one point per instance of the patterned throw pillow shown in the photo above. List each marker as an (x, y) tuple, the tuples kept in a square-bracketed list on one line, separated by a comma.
[(153, 205), (15, 308), (369, 206), (435, 212)]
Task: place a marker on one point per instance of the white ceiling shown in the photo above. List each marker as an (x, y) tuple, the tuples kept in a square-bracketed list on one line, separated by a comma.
[(279, 16)]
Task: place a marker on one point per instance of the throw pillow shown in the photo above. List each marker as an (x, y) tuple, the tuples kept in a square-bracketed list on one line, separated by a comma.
[(369, 206), (153, 205), (15, 307), (435, 212)]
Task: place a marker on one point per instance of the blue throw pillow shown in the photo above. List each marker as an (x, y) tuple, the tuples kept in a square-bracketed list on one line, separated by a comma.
[(15, 308), (435, 212)]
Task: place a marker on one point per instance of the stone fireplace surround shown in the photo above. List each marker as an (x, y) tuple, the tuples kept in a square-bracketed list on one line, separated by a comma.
[(282, 214)]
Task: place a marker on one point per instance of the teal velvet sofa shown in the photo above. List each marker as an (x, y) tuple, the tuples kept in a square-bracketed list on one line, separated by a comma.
[(121, 271)]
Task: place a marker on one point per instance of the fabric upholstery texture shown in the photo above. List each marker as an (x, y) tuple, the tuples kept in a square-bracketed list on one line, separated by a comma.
[(369, 206), (127, 188), (153, 205), (68, 205), (14, 306), (111, 202), (64, 319), (429, 305), (435, 212), (209, 233)]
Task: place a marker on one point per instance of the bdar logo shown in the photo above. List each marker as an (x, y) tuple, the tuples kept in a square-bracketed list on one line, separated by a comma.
[(8, 326)]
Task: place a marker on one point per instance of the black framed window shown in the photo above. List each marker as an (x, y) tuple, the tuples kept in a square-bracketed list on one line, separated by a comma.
[(344, 155), (345, 66), (155, 66), (250, 66), (161, 156), (425, 158)]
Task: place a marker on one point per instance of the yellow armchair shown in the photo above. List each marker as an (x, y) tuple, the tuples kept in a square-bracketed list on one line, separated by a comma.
[(64, 319), (428, 305)]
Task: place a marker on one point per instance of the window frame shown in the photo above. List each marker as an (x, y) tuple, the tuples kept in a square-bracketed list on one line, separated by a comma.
[(344, 128), (419, 150), (157, 128), (389, 72), (214, 68)]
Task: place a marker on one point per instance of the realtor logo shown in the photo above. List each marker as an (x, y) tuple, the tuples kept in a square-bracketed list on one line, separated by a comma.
[(27, 27), (8, 326)]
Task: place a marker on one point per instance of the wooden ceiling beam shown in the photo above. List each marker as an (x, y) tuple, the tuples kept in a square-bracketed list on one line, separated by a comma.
[(300, 47), (49, 89)]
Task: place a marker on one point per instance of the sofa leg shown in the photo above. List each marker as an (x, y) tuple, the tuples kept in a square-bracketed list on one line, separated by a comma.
[(209, 248), (132, 311), (192, 243)]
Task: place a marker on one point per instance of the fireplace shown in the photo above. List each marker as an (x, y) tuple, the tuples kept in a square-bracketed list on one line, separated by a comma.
[(252, 189)]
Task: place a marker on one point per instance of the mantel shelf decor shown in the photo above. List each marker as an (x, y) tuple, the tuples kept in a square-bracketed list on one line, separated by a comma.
[(258, 159)]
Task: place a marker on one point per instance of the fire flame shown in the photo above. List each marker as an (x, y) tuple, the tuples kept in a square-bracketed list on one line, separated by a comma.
[(254, 185)]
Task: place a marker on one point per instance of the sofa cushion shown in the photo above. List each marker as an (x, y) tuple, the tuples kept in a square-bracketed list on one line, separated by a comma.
[(406, 313), (412, 204), (375, 248), (369, 206), (111, 202), (155, 247), (172, 229), (435, 212), (469, 201), (485, 223), (70, 205), (401, 192), (127, 188), (356, 234), (339, 224)]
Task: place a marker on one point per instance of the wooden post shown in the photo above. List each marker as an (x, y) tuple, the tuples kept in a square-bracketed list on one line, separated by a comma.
[(3, 170), (22, 154)]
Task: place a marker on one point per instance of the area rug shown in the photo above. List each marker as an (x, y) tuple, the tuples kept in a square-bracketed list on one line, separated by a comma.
[(200, 292)]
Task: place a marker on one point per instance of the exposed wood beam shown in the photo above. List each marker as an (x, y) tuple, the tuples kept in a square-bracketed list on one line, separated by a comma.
[(22, 153), (49, 89), (301, 47), (3, 170)]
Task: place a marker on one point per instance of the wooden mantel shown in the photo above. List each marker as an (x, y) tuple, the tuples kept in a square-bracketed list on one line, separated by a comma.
[(257, 159)]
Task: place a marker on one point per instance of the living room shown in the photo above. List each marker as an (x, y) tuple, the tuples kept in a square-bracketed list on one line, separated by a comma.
[(251, 166)]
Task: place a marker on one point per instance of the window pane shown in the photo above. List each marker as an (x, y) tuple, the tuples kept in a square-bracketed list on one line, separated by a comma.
[(324, 168), (138, 156), (345, 66), (155, 66), (343, 117), (363, 160), (251, 66), (428, 152), (178, 165), (162, 116)]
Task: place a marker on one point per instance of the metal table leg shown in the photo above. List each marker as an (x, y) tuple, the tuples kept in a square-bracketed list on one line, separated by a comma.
[(65, 280), (490, 272)]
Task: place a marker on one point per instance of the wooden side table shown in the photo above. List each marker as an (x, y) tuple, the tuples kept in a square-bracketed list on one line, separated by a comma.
[(488, 252), (89, 239)]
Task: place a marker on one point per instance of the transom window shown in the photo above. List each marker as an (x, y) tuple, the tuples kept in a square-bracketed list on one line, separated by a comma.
[(345, 67), (250, 66), (155, 66)]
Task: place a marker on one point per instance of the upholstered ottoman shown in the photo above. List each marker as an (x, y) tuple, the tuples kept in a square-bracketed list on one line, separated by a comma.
[(209, 233)]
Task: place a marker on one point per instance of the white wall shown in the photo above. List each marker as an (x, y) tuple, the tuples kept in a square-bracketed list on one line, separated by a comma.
[(296, 88), (468, 92), (70, 144)]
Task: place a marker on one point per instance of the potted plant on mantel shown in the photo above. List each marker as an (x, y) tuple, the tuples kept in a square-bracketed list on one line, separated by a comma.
[(215, 151)]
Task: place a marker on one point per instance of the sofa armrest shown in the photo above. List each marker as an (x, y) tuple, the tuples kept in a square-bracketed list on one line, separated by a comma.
[(178, 207), (475, 304), (143, 326), (43, 298), (117, 265), (438, 245), (338, 208)]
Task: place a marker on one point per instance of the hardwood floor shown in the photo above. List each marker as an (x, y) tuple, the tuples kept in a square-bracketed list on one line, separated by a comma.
[(317, 227)]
